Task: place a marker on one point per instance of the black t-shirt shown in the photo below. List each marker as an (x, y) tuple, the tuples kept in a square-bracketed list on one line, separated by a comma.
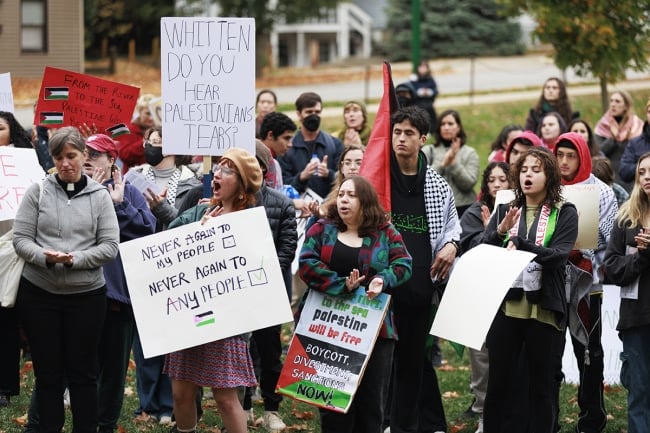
[(408, 215)]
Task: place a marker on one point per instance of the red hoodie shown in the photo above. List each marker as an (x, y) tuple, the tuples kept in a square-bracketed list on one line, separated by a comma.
[(584, 169), (528, 135)]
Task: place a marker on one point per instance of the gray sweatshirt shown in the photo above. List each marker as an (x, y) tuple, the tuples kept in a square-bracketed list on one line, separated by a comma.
[(84, 225)]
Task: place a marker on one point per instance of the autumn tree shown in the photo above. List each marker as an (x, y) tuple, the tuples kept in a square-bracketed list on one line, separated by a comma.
[(599, 37), (452, 28)]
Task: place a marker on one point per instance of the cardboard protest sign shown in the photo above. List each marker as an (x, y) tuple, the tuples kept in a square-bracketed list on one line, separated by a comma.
[(19, 168), (471, 298), (70, 98), (330, 348), (199, 283), (6, 93), (585, 198), (612, 344), (208, 84)]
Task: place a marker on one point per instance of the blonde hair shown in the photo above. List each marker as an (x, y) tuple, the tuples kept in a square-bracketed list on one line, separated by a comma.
[(143, 102), (635, 209)]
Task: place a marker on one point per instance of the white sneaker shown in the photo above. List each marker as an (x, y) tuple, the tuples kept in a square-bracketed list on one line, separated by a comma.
[(480, 424), (66, 398), (273, 422), (165, 420)]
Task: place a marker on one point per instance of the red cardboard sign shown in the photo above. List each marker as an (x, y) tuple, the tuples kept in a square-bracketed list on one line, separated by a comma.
[(70, 98)]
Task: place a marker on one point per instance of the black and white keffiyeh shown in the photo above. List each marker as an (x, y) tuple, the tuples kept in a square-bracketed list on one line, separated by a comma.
[(172, 183)]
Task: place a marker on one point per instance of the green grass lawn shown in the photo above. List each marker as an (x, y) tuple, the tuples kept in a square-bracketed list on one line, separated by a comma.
[(482, 124)]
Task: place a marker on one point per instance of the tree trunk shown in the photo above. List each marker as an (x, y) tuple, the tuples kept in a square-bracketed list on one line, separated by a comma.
[(604, 97)]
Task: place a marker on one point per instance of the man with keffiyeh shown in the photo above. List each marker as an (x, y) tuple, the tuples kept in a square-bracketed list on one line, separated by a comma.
[(424, 212)]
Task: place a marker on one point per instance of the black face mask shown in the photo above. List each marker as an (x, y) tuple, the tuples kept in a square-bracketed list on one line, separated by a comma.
[(153, 154), (311, 122)]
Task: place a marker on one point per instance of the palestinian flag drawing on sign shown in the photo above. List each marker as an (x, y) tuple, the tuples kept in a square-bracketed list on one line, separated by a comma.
[(117, 130), (51, 118), (203, 319), (56, 93)]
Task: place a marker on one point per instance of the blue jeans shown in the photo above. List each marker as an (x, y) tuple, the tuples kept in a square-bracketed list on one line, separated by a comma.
[(154, 386), (635, 377)]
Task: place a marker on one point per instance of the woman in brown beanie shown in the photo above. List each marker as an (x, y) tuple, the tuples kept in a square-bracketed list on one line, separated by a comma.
[(223, 365)]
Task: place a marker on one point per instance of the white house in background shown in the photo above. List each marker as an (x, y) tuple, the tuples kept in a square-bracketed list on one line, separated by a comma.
[(343, 32)]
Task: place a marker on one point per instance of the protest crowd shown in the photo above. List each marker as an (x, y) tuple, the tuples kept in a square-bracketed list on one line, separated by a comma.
[(367, 224)]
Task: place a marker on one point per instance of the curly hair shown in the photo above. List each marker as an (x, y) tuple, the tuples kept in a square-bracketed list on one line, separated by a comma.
[(486, 198), (551, 169), (373, 214), (17, 134), (562, 105), (415, 115)]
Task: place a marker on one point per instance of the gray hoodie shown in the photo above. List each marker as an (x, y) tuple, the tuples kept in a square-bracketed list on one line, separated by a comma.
[(84, 225)]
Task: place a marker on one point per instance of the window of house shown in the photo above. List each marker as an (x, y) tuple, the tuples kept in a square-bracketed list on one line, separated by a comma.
[(33, 22)]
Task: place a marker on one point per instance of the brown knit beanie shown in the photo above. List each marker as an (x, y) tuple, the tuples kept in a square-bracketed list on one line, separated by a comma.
[(248, 168), (263, 155)]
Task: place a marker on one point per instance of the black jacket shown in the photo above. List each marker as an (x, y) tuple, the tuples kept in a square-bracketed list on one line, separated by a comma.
[(282, 219)]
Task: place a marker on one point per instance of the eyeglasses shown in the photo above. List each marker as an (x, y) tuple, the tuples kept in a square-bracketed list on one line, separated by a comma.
[(351, 162), (224, 169), (94, 154)]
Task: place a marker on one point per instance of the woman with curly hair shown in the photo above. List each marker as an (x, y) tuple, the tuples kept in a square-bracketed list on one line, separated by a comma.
[(11, 133), (531, 320)]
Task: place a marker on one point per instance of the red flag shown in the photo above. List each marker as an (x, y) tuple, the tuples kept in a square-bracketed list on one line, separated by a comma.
[(376, 159)]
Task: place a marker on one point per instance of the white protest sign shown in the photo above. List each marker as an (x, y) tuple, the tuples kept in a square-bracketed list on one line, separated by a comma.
[(6, 93), (612, 345), (208, 84), (470, 298), (199, 283), (331, 346), (585, 198), (19, 168)]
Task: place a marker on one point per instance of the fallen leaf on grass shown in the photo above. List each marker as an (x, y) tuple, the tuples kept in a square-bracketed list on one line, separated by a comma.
[(28, 367), (304, 414), (128, 391), (121, 429), (447, 367), (143, 417), (298, 427), (450, 394), (21, 420), (455, 428), (131, 364)]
